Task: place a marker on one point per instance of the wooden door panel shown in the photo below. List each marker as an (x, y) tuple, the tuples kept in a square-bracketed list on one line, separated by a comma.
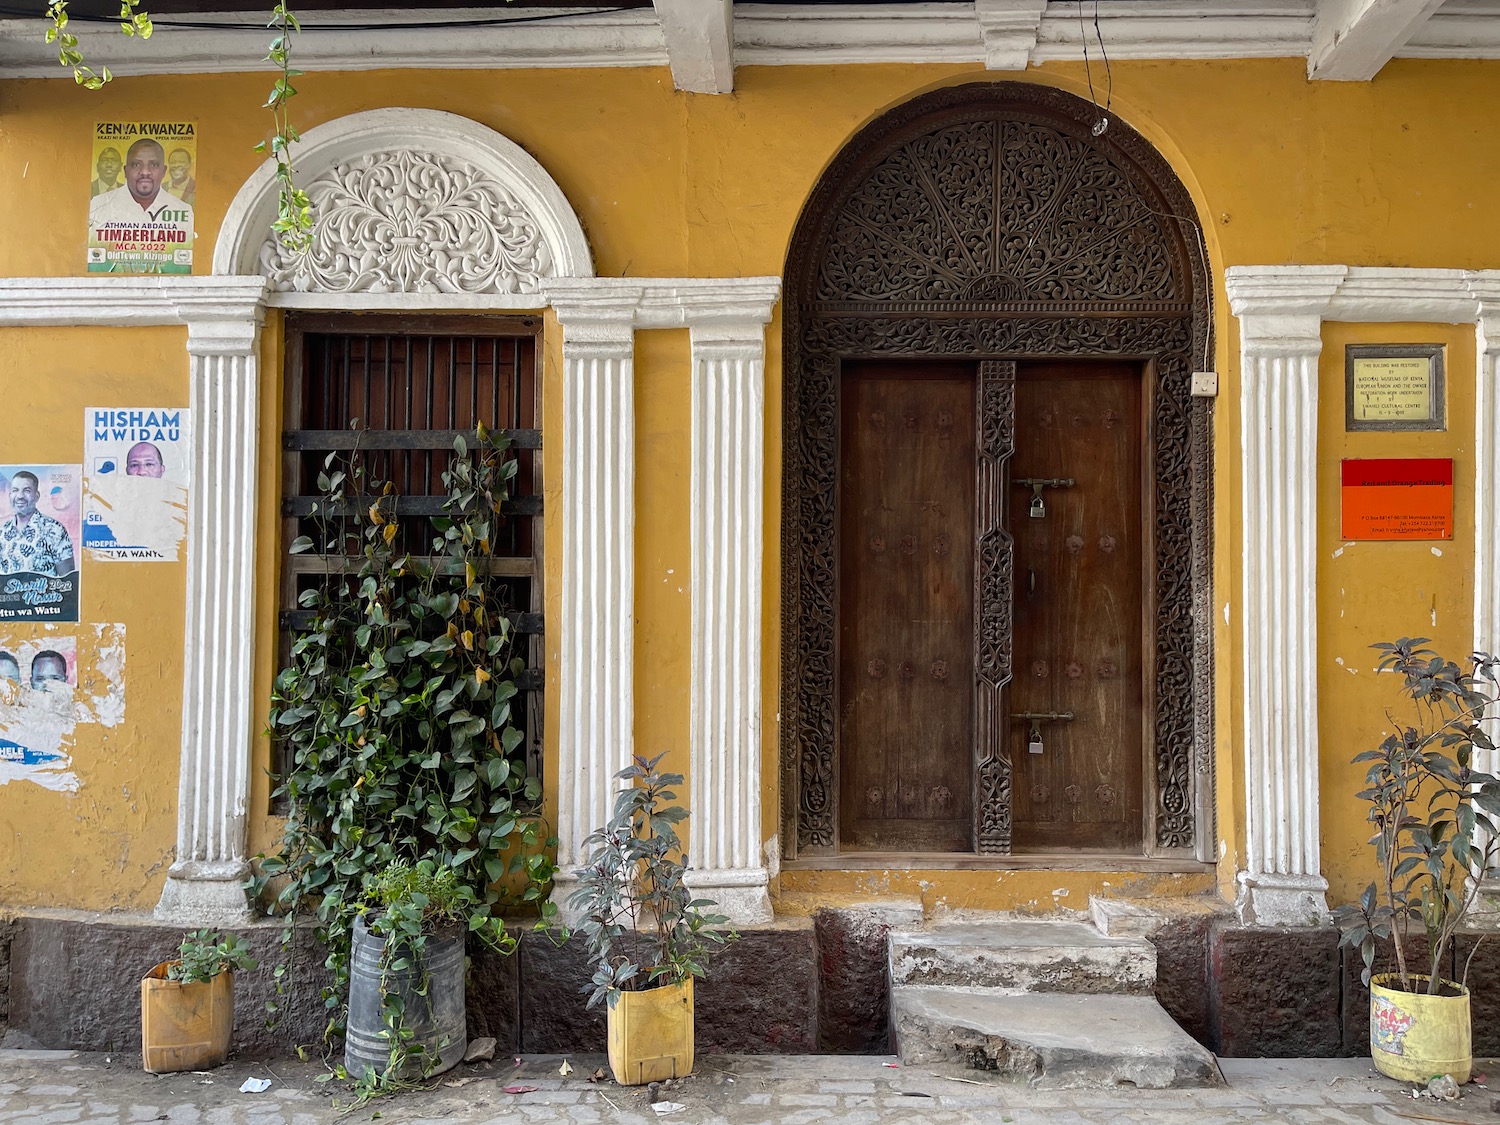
[(1078, 609), (906, 608)]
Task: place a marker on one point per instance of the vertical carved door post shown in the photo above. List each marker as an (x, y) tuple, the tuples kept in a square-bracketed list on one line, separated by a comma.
[(1281, 881), (205, 884), (595, 691)]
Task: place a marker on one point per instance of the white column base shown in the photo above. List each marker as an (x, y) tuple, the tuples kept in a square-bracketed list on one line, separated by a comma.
[(1282, 900), (564, 883), (1485, 913), (199, 894), (741, 894)]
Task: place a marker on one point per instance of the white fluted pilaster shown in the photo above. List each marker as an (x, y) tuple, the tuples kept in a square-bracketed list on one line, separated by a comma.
[(205, 882), (724, 833), (1280, 881), (596, 649), (1486, 288)]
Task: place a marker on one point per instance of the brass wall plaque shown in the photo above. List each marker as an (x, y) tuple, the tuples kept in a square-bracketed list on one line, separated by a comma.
[(1394, 387)]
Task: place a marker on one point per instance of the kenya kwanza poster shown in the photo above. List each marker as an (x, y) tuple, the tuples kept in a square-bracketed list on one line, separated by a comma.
[(144, 180)]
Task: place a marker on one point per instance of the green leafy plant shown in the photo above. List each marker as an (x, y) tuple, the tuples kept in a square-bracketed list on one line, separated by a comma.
[(641, 926), (294, 213), (1434, 814), (204, 954), (408, 784)]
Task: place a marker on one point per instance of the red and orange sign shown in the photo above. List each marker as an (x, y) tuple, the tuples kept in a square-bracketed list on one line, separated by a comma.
[(1398, 498)]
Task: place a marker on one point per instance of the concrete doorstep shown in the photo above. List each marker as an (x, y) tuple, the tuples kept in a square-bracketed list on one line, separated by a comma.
[(53, 1088)]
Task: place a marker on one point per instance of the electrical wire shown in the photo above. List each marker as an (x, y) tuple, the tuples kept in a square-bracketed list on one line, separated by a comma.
[(309, 25)]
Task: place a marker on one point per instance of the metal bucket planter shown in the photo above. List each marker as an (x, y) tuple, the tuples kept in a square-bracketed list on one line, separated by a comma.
[(1414, 1036), (432, 992), (651, 1034)]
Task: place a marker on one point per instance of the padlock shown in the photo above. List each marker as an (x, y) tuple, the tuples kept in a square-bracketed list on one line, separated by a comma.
[(1038, 509), (1034, 746)]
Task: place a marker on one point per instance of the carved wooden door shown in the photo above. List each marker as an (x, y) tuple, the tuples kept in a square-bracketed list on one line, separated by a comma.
[(906, 607), (1076, 706)]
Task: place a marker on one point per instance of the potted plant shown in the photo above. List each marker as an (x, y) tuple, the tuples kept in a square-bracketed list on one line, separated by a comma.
[(410, 806), (646, 936), (406, 974), (187, 1004), (1435, 821)]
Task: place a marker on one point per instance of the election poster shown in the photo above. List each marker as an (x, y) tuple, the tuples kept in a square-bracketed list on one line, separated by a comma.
[(40, 522), (144, 181), (136, 464), (54, 679)]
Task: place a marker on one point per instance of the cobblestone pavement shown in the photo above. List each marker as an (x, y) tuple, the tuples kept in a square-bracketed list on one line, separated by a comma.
[(51, 1088)]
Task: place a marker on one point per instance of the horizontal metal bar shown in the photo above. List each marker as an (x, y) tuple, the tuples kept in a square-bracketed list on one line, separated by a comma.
[(300, 620), (1041, 716), (404, 505), (1044, 482), (400, 439), (498, 566)]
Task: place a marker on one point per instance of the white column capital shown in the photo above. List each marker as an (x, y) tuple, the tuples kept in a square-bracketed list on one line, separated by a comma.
[(224, 315), (1282, 290)]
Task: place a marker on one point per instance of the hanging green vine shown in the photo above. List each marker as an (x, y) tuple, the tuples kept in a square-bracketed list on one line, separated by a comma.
[(294, 212), (133, 23), (396, 707)]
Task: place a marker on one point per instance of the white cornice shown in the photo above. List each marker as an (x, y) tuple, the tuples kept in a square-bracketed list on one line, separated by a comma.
[(128, 301), (592, 39), (992, 33), (1358, 293)]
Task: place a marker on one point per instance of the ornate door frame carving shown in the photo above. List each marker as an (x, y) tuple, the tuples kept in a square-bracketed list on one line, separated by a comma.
[(988, 222)]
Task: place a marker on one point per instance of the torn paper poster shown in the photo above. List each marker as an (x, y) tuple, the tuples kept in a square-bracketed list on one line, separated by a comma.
[(136, 465), (39, 529), (52, 679)]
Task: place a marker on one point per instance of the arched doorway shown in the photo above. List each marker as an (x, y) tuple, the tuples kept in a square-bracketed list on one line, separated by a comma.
[(996, 491)]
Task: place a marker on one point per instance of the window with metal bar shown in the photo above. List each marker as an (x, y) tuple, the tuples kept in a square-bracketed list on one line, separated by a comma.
[(389, 395)]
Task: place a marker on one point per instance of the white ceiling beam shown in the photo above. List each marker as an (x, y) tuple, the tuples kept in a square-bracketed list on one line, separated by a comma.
[(1353, 39), (1008, 29), (700, 43)]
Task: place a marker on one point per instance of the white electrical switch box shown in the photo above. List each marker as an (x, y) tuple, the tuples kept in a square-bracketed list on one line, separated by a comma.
[(1205, 384)]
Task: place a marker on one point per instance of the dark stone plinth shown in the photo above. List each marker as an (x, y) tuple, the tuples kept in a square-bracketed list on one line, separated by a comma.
[(7, 932), (1276, 992), (554, 1017), (492, 998), (1182, 986), (854, 987), (75, 983), (1484, 990), (760, 994)]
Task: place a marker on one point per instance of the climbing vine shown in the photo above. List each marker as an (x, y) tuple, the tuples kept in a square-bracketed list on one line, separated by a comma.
[(294, 217)]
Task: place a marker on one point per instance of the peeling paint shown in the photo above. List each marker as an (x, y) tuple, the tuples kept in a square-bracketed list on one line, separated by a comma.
[(39, 714), (1438, 551)]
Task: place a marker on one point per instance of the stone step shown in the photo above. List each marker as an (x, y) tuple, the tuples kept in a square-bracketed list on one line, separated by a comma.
[(1050, 1040), (1023, 955)]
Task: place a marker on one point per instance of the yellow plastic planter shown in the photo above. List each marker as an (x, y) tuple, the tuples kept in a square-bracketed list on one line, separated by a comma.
[(1414, 1036), (651, 1034), (185, 1026)]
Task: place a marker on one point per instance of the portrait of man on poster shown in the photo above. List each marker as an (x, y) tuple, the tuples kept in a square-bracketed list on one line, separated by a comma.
[(107, 171), (32, 542), (143, 198), (144, 460)]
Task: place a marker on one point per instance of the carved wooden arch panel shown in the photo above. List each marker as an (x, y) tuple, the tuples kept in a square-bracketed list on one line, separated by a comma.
[(988, 222)]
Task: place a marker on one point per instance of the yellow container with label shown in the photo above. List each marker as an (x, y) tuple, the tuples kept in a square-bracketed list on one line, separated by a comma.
[(185, 1026), (1415, 1037), (651, 1034)]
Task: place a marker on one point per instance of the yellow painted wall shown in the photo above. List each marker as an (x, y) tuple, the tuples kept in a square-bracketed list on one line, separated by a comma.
[(1382, 591), (109, 844), (1390, 172)]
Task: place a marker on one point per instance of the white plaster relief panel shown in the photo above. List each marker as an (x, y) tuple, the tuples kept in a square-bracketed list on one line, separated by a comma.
[(406, 221)]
